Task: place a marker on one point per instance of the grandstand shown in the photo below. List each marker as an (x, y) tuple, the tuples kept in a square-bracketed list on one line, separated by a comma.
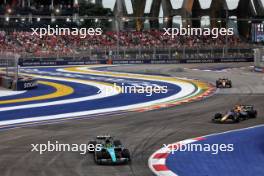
[(127, 35)]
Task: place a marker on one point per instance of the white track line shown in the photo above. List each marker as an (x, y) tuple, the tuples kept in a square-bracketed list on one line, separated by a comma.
[(4, 93)]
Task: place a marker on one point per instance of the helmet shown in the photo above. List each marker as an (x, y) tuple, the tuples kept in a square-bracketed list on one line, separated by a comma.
[(108, 143)]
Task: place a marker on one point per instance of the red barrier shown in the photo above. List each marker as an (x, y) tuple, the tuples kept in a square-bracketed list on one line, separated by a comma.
[(110, 61)]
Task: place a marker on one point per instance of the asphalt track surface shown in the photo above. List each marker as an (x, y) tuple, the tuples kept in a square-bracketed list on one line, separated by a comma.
[(143, 133)]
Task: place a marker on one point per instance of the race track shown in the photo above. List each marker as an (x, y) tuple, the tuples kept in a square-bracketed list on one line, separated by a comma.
[(142, 132), (70, 92)]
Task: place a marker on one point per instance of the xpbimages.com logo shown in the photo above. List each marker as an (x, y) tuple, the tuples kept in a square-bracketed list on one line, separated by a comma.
[(189, 31), (62, 147), (148, 89), (50, 31), (214, 149)]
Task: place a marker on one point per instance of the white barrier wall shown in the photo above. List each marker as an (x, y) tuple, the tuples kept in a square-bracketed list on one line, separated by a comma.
[(259, 59)]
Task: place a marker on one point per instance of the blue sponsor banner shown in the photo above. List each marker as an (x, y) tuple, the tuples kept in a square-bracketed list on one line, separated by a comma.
[(70, 61)]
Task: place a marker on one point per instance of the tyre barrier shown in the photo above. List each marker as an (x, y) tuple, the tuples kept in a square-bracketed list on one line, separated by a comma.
[(26, 83), (23, 83)]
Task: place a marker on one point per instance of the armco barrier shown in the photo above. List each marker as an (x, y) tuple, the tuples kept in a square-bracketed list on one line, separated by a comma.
[(57, 62), (70, 61)]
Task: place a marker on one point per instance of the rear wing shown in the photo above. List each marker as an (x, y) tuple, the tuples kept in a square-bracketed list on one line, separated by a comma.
[(248, 106), (102, 137), (220, 79)]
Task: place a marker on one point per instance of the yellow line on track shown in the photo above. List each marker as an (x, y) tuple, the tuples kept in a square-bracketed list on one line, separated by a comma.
[(200, 84), (61, 90)]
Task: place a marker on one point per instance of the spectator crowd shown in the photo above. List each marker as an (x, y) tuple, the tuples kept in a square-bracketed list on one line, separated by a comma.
[(25, 42)]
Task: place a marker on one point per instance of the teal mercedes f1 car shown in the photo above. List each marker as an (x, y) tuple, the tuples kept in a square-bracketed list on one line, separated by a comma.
[(109, 151)]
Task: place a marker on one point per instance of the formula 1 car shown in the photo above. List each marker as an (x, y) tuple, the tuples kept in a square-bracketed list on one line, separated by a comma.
[(238, 113), (110, 151), (223, 83)]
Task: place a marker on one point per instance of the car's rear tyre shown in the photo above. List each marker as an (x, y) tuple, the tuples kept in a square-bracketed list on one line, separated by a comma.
[(217, 84), (255, 114), (105, 155), (98, 155), (235, 119), (126, 154)]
